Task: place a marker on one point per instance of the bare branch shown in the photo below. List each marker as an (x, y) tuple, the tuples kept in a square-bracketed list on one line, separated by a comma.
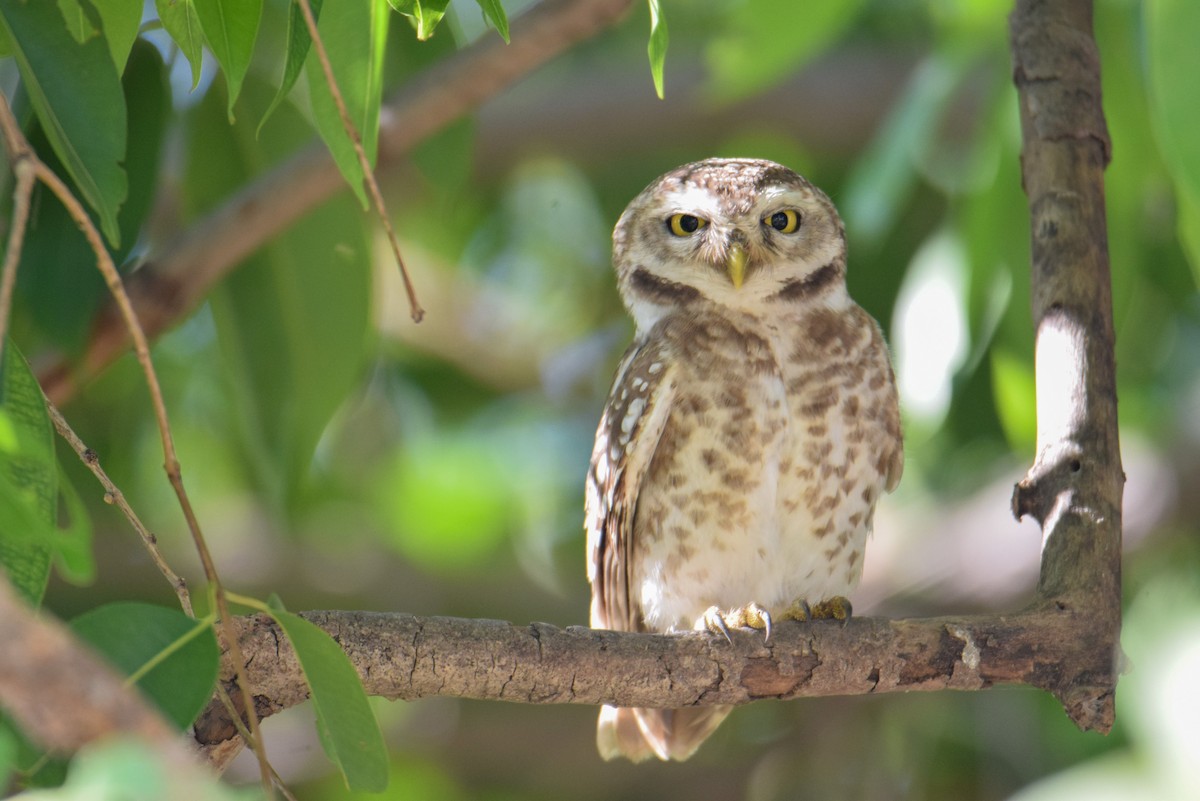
[(113, 495), (173, 282), (23, 189), (1074, 486), (401, 656)]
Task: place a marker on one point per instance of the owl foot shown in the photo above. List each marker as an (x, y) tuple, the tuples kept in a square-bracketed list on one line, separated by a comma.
[(835, 608), (750, 616)]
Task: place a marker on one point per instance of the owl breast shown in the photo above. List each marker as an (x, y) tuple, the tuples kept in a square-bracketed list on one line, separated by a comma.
[(763, 484)]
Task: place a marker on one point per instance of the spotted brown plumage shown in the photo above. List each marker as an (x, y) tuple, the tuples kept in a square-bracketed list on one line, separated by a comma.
[(751, 427)]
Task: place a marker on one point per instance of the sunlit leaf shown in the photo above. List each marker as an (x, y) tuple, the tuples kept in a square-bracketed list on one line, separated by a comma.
[(349, 731), (182, 654), (77, 96), (28, 479), (1013, 384), (883, 177), (423, 14), (493, 12), (448, 511), (354, 38), (1189, 229), (180, 21), (73, 542), (230, 28), (116, 769), (8, 753), (1174, 64), (764, 40), (657, 49), (298, 42)]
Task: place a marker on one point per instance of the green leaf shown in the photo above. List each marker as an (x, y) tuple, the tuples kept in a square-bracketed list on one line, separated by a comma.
[(1189, 230), (292, 322), (448, 513), (28, 479), (445, 158), (59, 287), (298, 42), (77, 97), (493, 12), (1174, 64), (82, 20), (8, 756), (657, 49), (180, 653), (73, 544), (119, 20), (423, 14), (354, 38), (1013, 385), (763, 41), (231, 28), (123, 769), (885, 174), (349, 732), (179, 19)]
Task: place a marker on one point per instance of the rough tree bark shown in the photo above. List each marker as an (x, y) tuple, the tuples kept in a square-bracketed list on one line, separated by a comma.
[(1065, 642), (1075, 485)]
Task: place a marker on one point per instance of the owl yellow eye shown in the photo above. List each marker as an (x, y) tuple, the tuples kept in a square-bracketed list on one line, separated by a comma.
[(685, 224), (785, 222)]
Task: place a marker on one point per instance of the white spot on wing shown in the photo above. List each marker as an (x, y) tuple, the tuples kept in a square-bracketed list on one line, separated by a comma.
[(632, 415)]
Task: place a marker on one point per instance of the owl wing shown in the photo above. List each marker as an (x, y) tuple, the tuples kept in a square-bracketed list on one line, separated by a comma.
[(630, 428), (893, 460)]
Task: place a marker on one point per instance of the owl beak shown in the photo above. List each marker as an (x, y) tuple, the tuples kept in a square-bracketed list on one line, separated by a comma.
[(735, 265)]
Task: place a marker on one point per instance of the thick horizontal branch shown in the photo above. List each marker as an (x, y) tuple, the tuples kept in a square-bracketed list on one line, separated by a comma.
[(401, 656)]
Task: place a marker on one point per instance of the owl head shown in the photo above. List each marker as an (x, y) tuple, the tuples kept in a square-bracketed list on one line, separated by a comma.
[(743, 234)]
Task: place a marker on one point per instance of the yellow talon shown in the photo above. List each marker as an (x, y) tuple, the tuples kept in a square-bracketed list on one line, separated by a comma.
[(835, 608), (750, 616)]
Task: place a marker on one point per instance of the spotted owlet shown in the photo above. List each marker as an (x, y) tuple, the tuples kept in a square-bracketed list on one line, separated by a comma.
[(752, 424)]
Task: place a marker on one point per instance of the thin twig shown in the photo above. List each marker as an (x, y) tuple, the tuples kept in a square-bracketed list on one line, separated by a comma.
[(16, 237), (244, 733), (368, 171), (104, 262), (114, 496)]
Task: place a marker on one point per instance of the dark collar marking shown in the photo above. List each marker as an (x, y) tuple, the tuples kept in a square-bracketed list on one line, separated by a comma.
[(811, 284), (660, 290)]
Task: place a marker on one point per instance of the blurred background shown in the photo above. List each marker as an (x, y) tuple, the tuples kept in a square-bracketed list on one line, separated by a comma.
[(343, 457)]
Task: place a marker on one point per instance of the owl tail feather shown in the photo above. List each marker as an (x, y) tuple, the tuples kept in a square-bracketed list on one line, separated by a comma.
[(638, 734)]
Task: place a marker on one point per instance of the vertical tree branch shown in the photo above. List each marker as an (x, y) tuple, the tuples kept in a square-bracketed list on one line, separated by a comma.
[(1074, 486)]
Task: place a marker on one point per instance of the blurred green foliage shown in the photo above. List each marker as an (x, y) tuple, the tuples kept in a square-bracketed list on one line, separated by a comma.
[(345, 458)]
